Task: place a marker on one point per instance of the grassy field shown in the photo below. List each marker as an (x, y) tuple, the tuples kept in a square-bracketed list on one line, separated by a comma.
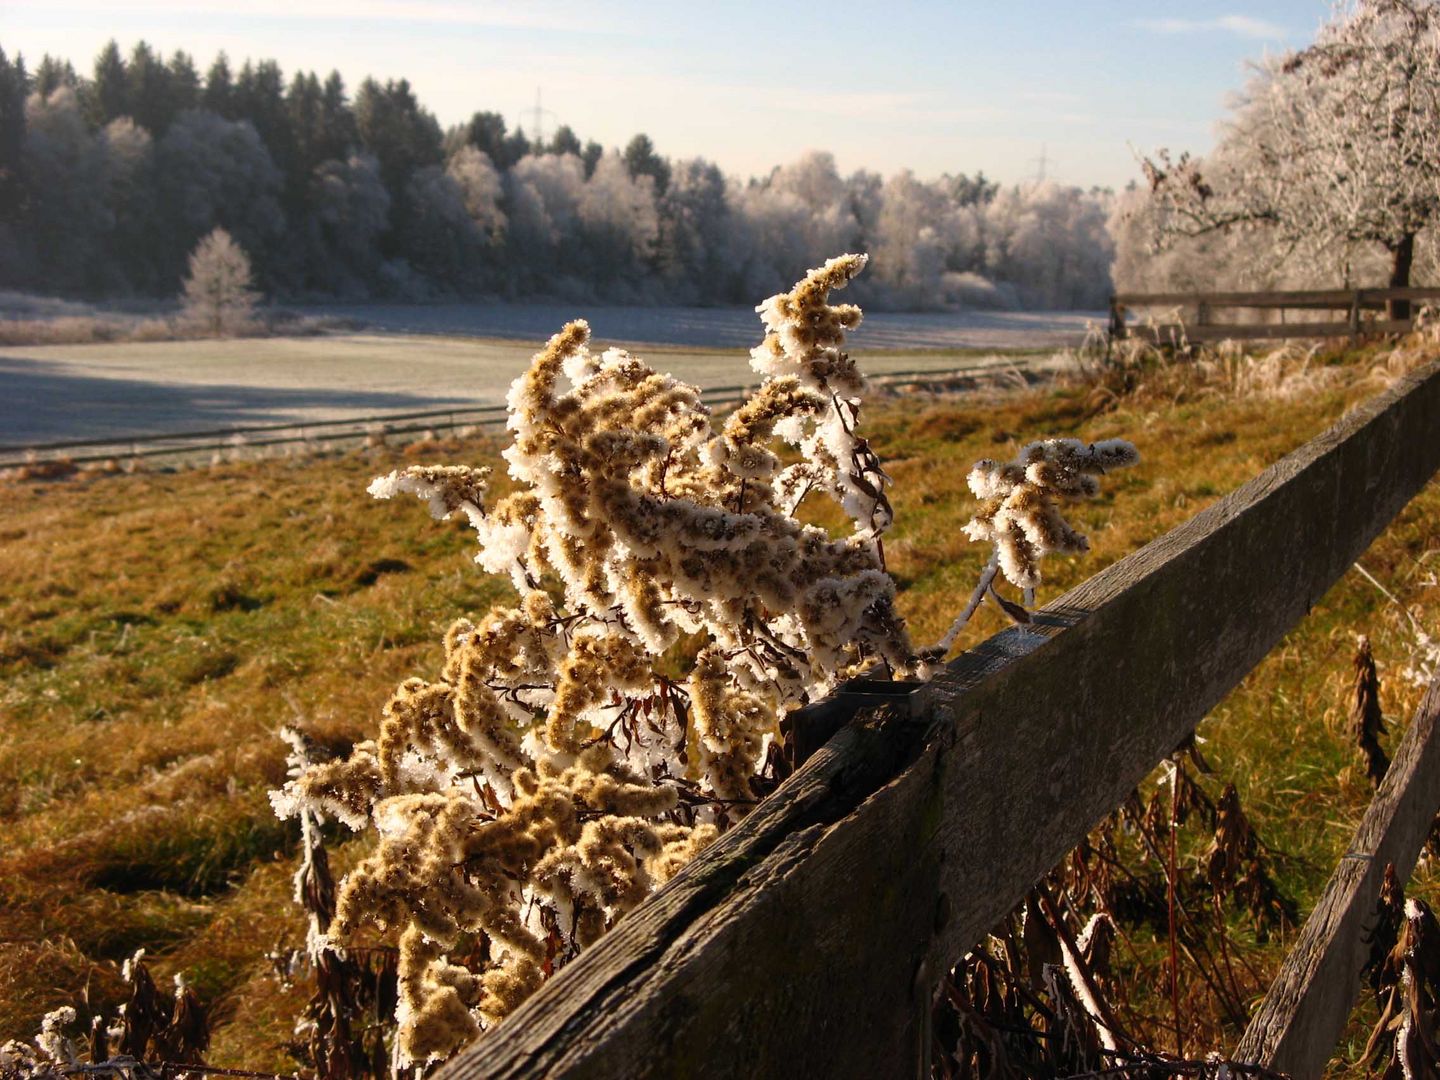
[(155, 631)]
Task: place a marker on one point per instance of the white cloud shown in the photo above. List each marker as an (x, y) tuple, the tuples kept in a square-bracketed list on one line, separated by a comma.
[(1240, 25)]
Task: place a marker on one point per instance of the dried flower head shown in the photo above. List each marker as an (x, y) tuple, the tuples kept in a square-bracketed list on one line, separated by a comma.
[(1021, 500), (532, 794)]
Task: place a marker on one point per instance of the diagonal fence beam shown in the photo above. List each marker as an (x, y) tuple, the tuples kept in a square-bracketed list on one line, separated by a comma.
[(1303, 1015)]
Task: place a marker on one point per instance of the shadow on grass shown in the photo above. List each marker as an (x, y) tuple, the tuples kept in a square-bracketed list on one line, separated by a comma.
[(43, 401)]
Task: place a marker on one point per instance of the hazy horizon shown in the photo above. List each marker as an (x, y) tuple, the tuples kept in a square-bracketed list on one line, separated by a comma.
[(931, 87)]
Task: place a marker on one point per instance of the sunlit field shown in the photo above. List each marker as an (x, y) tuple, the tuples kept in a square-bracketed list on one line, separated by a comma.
[(159, 628)]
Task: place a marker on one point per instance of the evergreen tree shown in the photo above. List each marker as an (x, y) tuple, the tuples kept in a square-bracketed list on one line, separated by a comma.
[(14, 84), (972, 190), (260, 98), (107, 94), (516, 146), (338, 137), (591, 156), (641, 160), (305, 112), (184, 79), (392, 126), (219, 94), (52, 74), (147, 90), (564, 142), (486, 132)]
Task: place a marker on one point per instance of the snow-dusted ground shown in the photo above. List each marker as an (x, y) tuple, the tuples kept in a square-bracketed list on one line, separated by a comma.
[(717, 327), (425, 359)]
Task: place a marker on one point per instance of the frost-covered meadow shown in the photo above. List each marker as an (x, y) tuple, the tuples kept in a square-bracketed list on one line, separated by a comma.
[(718, 327), (421, 358)]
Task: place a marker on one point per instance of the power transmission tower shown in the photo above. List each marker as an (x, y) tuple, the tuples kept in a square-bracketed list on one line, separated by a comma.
[(539, 113), (1040, 164)]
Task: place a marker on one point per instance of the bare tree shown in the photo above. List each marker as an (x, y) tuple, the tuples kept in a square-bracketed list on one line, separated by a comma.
[(218, 297), (1331, 152)]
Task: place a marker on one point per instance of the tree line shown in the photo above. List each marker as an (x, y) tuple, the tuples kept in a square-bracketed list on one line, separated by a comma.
[(107, 181)]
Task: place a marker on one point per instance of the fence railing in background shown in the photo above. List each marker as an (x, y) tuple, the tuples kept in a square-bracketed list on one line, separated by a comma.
[(242, 439), (809, 939), (1357, 304)]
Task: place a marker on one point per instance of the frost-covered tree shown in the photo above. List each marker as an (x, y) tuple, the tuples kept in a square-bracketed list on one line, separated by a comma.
[(154, 159), (618, 222), (218, 296), (442, 240), (128, 153), (212, 171), (351, 210), (1333, 149), (66, 213), (1051, 243), (481, 190), (543, 194), (914, 231)]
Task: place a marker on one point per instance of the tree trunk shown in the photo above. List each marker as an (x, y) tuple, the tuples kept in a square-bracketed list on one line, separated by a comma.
[(1403, 254)]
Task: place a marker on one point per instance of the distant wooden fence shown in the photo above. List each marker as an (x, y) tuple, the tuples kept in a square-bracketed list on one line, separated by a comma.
[(1359, 305), (808, 941)]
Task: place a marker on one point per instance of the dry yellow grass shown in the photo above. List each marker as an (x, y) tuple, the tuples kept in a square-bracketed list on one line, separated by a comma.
[(155, 630)]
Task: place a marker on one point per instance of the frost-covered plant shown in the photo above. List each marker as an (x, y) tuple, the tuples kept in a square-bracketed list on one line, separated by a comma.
[(151, 1028), (1020, 512), (1020, 501), (553, 775)]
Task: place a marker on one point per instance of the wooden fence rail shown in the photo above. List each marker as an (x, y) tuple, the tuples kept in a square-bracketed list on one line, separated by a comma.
[(808, 940), (1199, 327)]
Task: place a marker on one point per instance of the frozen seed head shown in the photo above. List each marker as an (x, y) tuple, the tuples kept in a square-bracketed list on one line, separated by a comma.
[(1021, 499), (530, 794)]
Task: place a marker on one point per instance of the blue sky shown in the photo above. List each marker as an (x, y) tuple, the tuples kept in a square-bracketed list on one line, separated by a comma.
[(935, 87)]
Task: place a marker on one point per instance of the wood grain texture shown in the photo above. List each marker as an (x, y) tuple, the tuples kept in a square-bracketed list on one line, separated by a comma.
[(1140, 653), (1299, 1022), (807, 940), (1166, 333), (1322, 299)]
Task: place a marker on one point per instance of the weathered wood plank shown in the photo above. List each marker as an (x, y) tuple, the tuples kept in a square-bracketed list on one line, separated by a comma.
[(1167, 333), (807, 939), (1299, 1022), (1298, 299), (1143, 650)]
